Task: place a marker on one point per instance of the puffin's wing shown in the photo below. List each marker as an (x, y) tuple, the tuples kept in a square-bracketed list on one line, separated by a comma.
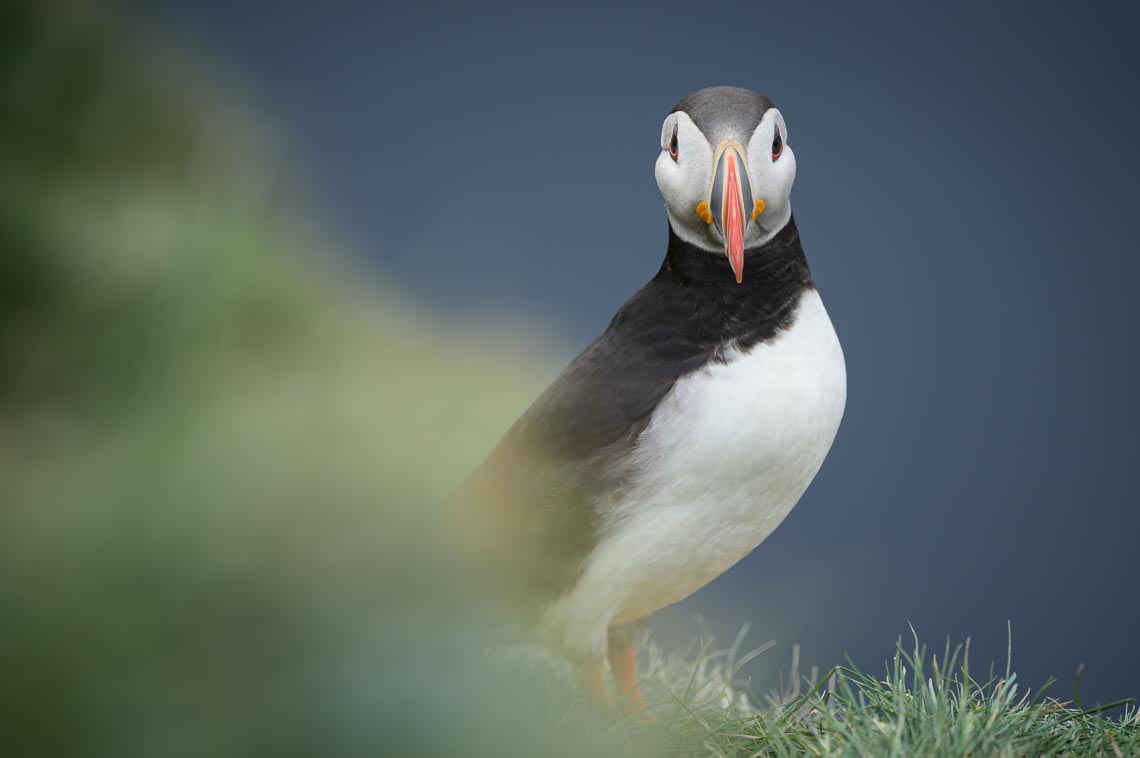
[(539, 496)]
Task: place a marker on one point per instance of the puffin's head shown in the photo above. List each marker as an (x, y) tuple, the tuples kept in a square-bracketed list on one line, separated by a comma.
[(726, 171)]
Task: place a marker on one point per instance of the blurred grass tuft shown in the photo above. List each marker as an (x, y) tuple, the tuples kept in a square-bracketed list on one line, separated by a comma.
[(219, 459)]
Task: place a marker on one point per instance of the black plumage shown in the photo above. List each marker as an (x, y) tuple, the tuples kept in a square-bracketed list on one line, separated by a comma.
[(539, 491)]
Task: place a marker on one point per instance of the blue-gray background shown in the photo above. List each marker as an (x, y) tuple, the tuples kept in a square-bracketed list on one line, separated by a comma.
[(967, 197)]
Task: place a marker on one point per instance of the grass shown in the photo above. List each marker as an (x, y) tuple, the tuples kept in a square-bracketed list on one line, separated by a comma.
[(220, 459), (922, 703)]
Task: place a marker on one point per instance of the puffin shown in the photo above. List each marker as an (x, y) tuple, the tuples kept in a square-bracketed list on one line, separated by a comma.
[(678, 440)]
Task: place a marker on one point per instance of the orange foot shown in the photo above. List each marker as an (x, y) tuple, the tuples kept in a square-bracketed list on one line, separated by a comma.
[(623, 662)]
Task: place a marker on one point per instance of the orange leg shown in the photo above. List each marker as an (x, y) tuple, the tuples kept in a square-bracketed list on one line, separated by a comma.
[(623, 662), (590, 680)]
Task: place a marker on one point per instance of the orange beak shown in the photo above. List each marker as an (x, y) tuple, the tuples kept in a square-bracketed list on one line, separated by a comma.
[(731, 196)]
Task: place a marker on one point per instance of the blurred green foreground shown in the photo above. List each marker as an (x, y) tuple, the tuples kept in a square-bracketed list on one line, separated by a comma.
[(218, 459)]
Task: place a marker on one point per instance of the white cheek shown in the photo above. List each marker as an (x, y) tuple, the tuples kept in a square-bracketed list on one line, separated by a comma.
[(670, 180), (783, 175), (772, 183), (772, 179), (682, 183)]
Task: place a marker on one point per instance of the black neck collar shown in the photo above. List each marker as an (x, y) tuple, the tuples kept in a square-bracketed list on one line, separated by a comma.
[(693, 307), (776, 265)]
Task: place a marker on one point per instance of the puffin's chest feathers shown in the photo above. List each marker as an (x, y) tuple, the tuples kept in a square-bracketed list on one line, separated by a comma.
[(770, 410), (727, 454)]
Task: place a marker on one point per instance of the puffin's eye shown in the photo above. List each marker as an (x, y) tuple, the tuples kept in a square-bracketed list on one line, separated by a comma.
[(673, 144), (777, 144)]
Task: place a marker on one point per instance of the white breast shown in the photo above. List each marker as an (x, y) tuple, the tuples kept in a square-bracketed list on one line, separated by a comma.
[(725, 457)]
